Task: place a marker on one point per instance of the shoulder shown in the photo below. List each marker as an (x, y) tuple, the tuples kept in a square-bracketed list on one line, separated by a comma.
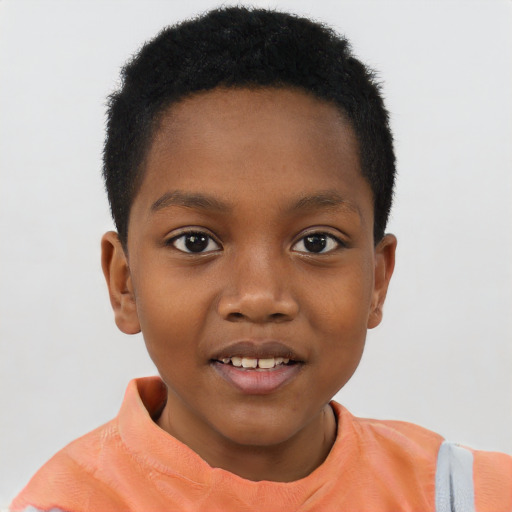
[(472, 480), (99, 471), (71, 474), (392, 435), (492, 476), (462, 479)]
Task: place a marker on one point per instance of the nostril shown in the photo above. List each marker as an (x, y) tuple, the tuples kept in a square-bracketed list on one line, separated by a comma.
[(236, 316), (258, 308), (274, 317)]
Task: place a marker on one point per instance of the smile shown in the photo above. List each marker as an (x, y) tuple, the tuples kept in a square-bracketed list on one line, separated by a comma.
[(257, 367), (257, 376), (267, 363)]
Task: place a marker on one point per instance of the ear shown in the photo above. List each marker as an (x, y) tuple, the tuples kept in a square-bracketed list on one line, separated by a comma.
[(119, 282), (384, 265)]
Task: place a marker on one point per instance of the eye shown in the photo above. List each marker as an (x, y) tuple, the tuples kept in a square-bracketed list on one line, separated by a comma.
[(195, 242), (317, 243)]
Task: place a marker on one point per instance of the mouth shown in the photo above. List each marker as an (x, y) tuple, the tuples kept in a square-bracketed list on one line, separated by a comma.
[(257, 369), (263, 363)]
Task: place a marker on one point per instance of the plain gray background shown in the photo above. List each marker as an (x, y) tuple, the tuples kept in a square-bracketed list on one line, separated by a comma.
[(443, 355)]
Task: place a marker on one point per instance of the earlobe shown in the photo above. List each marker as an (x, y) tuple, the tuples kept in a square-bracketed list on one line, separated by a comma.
[(384, 266), (117, 274)]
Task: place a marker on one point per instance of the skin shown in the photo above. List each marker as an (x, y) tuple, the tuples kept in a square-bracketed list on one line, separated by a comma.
[(275, 165)]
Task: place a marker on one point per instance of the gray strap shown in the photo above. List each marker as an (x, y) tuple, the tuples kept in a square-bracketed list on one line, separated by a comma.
[(454, 479)]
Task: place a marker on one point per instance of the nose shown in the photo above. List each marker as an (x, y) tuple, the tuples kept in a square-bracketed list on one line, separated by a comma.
[(258, 290)]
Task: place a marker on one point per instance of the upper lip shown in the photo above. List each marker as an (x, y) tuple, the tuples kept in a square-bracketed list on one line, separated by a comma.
[(257, 350)]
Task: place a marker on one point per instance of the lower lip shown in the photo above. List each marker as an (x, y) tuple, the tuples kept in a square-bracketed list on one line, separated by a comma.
[(257, 381)]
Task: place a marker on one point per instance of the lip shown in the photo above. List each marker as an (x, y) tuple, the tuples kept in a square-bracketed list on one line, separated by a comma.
[(258, 381), (257, 350)]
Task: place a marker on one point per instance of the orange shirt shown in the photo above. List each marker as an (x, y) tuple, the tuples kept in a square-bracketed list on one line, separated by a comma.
[(130, 464)]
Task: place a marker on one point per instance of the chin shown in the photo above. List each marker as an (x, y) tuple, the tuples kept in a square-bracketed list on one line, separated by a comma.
[(259, 429), (258, 436)]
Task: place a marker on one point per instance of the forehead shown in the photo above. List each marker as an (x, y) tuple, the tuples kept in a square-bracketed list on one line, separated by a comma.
[(252, 144), (224, 121), (252, 107)]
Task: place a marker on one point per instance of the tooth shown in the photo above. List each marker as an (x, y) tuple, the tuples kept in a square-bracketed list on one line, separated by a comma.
[(267, 363), (286, 360), (226, 360), (236, 361), (249, 362), (279, 360)]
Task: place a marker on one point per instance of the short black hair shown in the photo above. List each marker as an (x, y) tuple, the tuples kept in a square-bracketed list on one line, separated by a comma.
[(241, 47)]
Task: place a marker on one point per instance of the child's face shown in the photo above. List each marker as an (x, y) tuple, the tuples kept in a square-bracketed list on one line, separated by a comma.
[(251, 237)]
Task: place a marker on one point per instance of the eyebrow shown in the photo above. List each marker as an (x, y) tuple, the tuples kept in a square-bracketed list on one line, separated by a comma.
[(324, 200), (189, 200), (320, 201)]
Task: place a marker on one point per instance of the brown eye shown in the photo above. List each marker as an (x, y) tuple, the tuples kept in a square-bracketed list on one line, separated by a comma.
[(195, 242), (317, 243)]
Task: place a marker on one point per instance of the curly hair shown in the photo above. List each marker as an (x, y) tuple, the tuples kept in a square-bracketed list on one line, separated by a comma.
[(241, 47)]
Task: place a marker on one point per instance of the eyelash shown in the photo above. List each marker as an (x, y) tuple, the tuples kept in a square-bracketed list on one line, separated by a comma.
[(331, 242), (327, 237), (174, 241)]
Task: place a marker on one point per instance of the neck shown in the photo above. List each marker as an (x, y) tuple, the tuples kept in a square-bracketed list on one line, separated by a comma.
[(290, 460)]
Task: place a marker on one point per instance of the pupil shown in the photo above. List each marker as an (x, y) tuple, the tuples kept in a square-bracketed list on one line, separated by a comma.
[(315, 243), (196, 242)]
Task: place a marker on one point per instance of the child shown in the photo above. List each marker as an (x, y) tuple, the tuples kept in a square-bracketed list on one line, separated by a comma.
[(250, 169)]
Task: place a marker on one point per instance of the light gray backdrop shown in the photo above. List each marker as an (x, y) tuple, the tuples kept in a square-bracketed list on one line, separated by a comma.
[(443, 355)]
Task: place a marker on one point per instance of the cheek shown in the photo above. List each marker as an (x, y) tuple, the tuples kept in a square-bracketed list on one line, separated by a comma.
[(344, 336), (172, 314), (340, 323), (342, 300)]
